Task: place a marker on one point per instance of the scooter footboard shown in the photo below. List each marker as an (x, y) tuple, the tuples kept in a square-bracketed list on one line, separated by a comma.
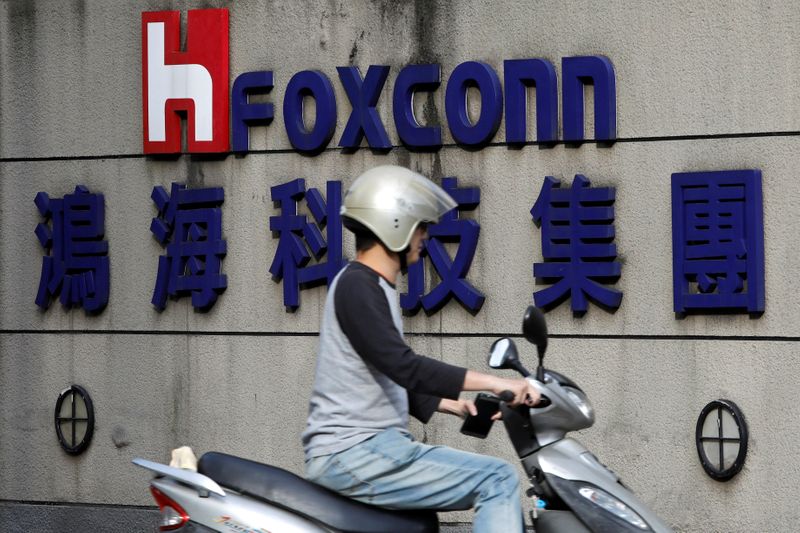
[(558, 522)]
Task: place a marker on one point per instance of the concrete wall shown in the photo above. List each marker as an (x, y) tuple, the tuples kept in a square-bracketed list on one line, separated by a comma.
[(700, 86)]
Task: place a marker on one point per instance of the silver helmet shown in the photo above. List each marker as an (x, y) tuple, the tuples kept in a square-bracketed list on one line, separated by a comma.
[(392, 201)]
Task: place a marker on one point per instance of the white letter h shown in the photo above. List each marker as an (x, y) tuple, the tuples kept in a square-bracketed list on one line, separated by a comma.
[(165, 82)]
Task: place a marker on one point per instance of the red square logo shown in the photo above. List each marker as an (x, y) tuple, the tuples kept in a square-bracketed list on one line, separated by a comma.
[(191, 84)]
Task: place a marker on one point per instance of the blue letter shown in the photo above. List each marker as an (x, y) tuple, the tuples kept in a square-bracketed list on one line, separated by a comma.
[(296, 236), (411, 79), (520, 74), (589, 70), (480, 75), (718, 242), (364, 118), (577, 245), (189, 226), (453, 272), (246, 114), (317, 85), (77, 263)]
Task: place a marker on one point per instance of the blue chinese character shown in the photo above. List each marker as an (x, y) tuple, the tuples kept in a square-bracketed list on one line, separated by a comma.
[(78, 263), (452, 272), (577, 244), (189, 225), (718, 241), (296, 236)]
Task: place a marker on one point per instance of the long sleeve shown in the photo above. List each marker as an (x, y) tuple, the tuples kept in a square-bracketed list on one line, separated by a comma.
[(422, 406), (362, 310)]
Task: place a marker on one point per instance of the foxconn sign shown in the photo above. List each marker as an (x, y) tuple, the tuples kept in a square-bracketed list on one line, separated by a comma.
[(194, 84)]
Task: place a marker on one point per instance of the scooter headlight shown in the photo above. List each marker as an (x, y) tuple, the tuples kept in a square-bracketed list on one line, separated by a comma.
[(580, 401), (613, 506)]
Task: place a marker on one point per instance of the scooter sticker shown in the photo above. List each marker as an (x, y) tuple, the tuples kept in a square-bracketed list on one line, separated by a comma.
[(233, 525)]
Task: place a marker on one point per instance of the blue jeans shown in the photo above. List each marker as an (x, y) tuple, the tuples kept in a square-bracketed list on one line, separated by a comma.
[(392, 470)]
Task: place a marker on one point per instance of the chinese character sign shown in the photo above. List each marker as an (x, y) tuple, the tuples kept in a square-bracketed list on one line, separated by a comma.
[(718, 241), (577, 244), (189, 226), (77, 264), (297, 237), (452, 272)]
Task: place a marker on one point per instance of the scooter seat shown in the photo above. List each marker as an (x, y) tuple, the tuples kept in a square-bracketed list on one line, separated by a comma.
[(286, 490)]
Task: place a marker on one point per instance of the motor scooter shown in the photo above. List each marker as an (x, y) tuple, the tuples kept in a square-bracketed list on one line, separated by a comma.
[(580, 494)]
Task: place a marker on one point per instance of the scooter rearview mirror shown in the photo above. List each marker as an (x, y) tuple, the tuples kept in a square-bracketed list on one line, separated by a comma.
[(534, 328), (503, 354)]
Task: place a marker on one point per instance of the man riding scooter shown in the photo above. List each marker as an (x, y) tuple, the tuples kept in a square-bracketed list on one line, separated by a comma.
[(367, 383), (368, 380)]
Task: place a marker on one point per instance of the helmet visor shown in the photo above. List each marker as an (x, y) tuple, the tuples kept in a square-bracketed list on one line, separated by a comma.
[(423, 200)]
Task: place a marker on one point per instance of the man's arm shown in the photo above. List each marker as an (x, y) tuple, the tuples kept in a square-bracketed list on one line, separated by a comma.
[(422, 406), (459, 408), (363, 313), (522, 390)]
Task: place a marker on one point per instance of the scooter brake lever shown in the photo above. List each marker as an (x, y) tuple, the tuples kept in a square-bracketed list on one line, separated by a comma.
[(544, 401)]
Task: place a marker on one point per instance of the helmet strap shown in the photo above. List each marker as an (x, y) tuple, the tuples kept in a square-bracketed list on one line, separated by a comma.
[(404, 259)]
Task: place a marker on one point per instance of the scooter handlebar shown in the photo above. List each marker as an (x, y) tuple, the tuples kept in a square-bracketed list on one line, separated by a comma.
[(506, 396)]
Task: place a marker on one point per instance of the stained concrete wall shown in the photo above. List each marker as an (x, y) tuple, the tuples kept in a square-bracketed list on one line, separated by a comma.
[(699, 87)]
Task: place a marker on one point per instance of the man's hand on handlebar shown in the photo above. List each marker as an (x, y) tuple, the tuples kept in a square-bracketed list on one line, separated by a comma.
[(523, 391)]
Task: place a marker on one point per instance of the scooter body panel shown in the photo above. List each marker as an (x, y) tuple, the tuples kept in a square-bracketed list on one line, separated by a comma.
[(202, 483), (235, 513), (569, 460)]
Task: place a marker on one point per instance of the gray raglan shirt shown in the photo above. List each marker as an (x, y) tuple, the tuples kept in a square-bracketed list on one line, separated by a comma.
[(367, 378)]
